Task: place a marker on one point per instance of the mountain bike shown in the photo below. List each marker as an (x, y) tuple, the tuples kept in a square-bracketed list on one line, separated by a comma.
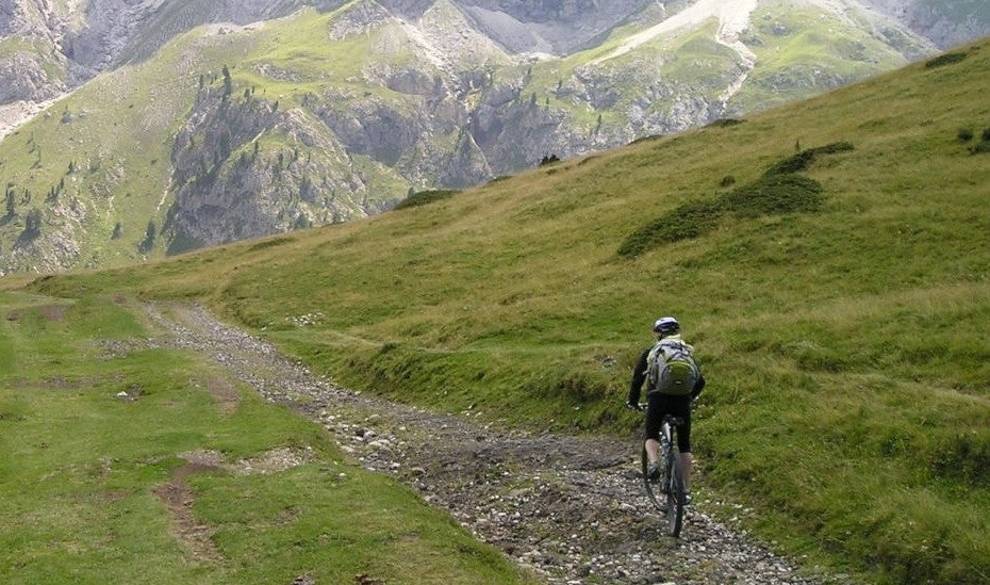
[(670, 486)]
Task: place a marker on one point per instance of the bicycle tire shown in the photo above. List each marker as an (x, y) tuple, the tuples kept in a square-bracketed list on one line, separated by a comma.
[(675, 495), (646, 481)]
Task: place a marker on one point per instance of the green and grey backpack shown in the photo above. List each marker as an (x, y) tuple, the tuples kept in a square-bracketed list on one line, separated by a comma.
[(671, 369)]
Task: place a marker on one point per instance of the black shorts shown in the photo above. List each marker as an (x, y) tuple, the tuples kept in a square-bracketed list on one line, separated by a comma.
[(660, 405)]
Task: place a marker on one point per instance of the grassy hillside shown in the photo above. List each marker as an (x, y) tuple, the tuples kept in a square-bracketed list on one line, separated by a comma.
[(839, 300), (103, 489)]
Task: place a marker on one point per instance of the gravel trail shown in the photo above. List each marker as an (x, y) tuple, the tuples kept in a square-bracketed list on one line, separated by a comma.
[(570, 509)]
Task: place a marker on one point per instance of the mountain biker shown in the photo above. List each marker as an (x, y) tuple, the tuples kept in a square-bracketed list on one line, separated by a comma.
[(667, 394)]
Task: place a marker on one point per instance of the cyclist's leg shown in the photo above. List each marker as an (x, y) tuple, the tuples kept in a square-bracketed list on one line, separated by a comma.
[(682, 409), (655, 410)]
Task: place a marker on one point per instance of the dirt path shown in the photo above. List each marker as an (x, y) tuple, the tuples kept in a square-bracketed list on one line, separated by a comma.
[(569, 508)]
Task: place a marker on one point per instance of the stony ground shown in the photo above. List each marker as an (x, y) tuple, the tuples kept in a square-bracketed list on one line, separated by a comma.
[(571, 509)]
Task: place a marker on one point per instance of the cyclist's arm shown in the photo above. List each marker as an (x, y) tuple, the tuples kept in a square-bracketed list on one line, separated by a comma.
[(639, 376)]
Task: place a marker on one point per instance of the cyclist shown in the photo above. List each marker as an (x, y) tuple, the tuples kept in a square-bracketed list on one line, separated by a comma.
[(673, 382)]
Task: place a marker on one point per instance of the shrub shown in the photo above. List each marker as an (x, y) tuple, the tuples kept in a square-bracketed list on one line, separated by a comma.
[(725, 123), (727, 181), (424, 198), (981, 148), (549, 160), (985, 135), (803, 160), (774, 194), (687, 221), (270, 244), (946, 59), (964, 135)]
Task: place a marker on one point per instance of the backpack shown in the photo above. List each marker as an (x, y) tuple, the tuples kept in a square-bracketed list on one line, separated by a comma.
[(671, 369)]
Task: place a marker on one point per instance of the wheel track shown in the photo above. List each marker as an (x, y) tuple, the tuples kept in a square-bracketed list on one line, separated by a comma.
[(571, 509)]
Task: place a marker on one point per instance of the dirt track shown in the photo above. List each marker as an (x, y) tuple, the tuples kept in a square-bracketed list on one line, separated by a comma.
[(569, 508)]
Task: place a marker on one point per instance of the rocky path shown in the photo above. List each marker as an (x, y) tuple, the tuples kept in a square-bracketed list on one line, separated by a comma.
[(571, 509)]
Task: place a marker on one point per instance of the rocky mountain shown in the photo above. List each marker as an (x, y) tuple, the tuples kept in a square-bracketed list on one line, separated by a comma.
[(947, 23), (196, 122)]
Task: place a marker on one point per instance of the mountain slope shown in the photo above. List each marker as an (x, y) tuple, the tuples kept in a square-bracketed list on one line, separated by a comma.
[(946, 22), (335, 113), (839, 300)]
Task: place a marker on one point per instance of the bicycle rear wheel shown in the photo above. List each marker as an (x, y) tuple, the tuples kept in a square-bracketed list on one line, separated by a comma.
[(652, 489), (675, 495)]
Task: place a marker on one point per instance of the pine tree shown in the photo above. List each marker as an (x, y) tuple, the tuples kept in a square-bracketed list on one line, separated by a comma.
[(32, 225), (149, 238), (10, 202), (228, 84)]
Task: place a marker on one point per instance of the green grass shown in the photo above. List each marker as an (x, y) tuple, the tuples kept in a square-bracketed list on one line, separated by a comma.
[(80, 468), (846, 349)]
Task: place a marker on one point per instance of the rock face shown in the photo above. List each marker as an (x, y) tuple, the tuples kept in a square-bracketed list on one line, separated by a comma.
[(228, 188), (946, 22), (328, 111)]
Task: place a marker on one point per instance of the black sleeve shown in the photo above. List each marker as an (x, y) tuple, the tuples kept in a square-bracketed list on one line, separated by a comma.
[(698, 386), (639, 376)]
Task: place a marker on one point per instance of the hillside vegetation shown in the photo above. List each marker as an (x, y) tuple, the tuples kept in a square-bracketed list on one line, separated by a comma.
[(839, 300)]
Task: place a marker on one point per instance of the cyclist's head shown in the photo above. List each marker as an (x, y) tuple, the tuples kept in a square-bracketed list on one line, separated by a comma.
[(665, 327)]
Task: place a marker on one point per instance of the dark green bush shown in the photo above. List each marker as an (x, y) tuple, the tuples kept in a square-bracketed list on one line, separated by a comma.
[(725, 123), (424, 198), (985, 135), (803, 160), (964, 135), (774, 195), (687, 221), (549, 160), (274, 242), (727, 181), (946, 59), (981, 148)]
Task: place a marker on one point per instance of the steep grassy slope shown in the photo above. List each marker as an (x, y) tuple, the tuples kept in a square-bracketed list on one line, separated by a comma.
[(97, 489), (845, 340)]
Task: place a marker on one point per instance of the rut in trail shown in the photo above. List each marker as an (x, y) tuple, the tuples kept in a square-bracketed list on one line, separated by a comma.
[(571, 509)]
